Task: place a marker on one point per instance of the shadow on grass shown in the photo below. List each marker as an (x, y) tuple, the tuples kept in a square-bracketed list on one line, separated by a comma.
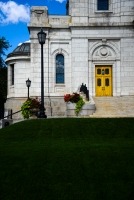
[(67, 159)]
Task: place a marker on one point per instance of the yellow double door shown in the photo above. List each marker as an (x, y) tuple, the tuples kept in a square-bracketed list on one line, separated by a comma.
[(103, 80)]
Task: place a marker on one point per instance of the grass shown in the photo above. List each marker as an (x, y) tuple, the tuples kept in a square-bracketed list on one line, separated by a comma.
[(67, 159)]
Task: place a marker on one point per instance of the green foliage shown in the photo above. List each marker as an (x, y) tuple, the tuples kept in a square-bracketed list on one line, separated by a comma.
[(28, 105), (79, 105), (4, 45), (25, 109)]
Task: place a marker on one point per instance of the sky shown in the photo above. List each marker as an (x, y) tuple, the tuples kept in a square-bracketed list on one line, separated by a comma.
[(15, 15)]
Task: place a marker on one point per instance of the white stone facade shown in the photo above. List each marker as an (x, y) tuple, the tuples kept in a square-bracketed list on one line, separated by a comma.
[(87, 38)]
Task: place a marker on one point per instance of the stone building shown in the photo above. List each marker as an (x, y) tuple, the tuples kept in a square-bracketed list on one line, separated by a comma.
[(93, 44)]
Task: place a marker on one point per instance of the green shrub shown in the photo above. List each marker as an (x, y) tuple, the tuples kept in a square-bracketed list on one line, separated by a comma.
[(28, 106)]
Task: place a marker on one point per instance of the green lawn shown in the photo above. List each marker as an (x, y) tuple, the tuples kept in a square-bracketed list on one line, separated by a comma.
[(67, 159)]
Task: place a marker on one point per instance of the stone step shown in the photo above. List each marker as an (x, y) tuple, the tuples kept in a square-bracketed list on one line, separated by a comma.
[(114, 106)]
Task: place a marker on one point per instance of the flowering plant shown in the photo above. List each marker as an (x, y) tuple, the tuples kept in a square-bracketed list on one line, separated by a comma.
[(75, 98), (28, 106), (35, 103)]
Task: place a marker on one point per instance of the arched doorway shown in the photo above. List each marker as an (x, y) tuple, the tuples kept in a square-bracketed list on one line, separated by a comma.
[(104, 68)]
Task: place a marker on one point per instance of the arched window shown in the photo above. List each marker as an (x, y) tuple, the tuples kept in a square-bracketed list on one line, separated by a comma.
[(103, 5), (59, 68)]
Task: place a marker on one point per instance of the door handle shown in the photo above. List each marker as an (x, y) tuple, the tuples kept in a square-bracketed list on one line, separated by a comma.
[(103, 88)]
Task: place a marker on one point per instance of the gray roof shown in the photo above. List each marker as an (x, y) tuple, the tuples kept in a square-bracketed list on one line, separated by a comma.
[(21, 50)]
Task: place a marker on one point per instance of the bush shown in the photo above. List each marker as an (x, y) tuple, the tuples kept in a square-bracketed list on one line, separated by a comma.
[(28, 106)]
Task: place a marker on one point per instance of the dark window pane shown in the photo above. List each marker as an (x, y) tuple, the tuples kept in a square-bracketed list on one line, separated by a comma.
[(107, 71), (103, 5), (98, 71), (59, 68), (27, 48), (59, 78), (22, 47), (98, 82), (107, 82)]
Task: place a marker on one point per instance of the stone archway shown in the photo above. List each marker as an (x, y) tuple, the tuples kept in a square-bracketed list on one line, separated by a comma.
[(105, 53)]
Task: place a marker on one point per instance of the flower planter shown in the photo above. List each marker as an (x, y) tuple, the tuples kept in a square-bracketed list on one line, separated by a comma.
[(30, 108), (34, 111), (79, 105), (87, 109)]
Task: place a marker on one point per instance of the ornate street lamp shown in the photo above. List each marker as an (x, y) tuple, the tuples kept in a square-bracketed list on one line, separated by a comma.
[(42, 38), (28, 84)]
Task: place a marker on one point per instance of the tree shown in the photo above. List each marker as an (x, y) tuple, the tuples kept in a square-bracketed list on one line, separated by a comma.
[(4, 45)]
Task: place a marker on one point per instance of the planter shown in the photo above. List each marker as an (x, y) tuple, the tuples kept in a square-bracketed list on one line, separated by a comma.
[(34, 112), (30, 108), (87, 109), (33, 117)]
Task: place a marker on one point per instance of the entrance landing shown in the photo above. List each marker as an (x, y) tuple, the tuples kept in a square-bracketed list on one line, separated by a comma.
[(114, 106)]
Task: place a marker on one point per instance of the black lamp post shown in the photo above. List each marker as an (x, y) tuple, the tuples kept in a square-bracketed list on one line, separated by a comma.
[(42, 39), (28, 84)]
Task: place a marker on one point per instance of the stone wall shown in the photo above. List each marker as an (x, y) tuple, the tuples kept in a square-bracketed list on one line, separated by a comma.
[(55, 106), (84, 12), (21, 74)]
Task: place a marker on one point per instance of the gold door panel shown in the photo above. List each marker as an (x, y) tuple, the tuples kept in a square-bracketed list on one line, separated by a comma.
[(103, 80)]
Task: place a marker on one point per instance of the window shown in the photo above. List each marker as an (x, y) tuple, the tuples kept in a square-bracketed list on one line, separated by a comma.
[(103, 5), (98, 82), (12, 74), (59, 68), (98, 71), (107, 82)]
